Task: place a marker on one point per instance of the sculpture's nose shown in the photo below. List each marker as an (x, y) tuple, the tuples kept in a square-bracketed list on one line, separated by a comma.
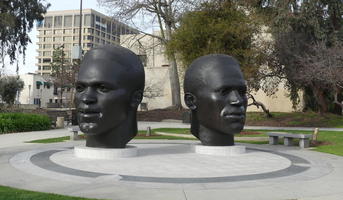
[(234, 98), (89, 96)]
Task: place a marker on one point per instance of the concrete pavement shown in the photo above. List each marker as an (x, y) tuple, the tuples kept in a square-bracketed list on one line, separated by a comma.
[(168, 169)]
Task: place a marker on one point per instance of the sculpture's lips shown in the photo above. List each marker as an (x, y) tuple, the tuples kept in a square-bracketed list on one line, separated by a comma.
[(88, 113), (234, 116)]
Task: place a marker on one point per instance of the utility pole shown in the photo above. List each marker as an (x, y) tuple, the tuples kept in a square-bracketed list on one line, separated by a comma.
[(80, 31), (62, 74)]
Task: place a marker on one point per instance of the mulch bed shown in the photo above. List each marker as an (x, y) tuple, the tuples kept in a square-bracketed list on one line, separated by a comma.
[(249, 133), (160, 114), (320, 143)]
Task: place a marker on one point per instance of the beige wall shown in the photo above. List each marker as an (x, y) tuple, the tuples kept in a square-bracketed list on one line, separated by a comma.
[(279, 102), (157, 77), (156, 70)]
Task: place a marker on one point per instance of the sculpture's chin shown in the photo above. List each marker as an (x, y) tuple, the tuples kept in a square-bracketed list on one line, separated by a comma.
[(89, 128)]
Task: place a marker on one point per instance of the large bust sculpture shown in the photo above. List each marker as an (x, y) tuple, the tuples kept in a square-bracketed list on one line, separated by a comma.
[(108, 91), (215, 92)]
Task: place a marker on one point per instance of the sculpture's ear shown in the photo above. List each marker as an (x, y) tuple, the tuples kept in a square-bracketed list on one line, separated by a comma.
[(136, 98), (190, 101)]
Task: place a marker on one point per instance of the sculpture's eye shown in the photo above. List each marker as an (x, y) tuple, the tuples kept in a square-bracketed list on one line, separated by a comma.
[(80, 87), (225, 91), (103, 88)]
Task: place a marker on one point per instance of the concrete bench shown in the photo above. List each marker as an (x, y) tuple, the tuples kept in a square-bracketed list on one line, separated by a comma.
[(74, 132), (304, 139)]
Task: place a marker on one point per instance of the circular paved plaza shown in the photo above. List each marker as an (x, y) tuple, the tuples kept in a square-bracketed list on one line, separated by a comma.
[(169, 169)]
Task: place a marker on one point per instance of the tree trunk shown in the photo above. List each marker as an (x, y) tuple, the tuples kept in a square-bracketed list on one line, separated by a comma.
[(259, 104), (174, 76), (320, 98)]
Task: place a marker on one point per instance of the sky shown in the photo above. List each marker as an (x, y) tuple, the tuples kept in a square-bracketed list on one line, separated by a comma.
[(31, 52)]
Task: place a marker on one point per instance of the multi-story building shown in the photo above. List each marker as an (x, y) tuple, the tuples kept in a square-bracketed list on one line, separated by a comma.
[(62, 28)]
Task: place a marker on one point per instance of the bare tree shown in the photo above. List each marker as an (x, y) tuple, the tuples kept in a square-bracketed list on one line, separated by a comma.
[(64, 72), (259, 104), (322, 69), (164, 13)]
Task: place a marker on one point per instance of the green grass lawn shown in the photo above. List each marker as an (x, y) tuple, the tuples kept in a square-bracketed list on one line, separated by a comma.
[(307, 119), (8, 193), (330, 141), (50, 140)]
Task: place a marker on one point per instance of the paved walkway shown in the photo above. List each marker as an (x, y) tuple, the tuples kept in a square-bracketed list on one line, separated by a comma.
[(169, 169)]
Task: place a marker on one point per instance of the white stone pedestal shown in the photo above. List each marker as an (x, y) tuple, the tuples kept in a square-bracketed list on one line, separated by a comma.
[(105, 153), (219, 150)]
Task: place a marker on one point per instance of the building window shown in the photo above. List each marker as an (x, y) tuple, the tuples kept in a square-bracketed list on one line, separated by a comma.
[(67, 45), (165, 65), (46, 53), (67, 38), (89, 37), (47, 46), (97, 18), (87, 20), (55, 91), (68, 31), (76, 30), (97, 32), (48, 32), (36, 101), (57, 39), (97, 40), (56, 46), (90, 30), (48, 22), (58, 21), (58, 32), (46, 60), (76, 20), (50, 100), (108, 27), (114, 29), (68, 21), (90, 45), (39, 67), (46, 68), (48, 39), (38, 84)]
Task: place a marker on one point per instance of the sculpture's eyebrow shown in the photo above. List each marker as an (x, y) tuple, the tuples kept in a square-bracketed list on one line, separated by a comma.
[(98, 83), (237, 87)]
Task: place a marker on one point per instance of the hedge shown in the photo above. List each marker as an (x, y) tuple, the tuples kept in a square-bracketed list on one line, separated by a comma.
[(21, 122)]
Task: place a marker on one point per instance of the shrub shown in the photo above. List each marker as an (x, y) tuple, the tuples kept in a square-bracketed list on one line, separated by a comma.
[(21, 122)]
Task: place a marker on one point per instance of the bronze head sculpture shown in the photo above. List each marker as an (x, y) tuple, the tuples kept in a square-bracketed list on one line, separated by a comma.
[(215, 92), (108, 91)]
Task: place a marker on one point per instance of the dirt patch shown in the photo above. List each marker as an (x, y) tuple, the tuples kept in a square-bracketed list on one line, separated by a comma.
[(307, 119), (320, 143), (160, 114), (249, 133)]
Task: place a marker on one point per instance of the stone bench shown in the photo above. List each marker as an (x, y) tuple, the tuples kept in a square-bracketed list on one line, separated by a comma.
[(304, 139), (74, 132)]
